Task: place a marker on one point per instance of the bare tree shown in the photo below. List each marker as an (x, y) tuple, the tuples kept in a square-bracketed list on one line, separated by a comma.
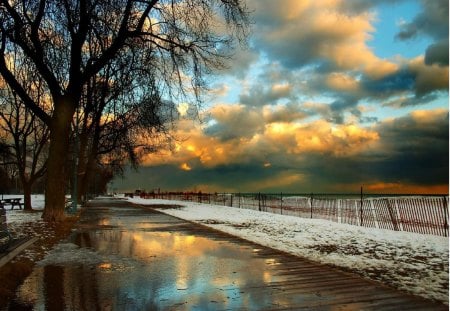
[(174, 42), (27, 139), (115, 127), (5, 163)]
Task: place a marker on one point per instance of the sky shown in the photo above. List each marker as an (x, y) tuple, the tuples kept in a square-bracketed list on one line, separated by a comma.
[(328, 96)]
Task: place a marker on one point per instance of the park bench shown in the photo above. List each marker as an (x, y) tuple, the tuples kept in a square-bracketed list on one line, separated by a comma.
[(13, 202)]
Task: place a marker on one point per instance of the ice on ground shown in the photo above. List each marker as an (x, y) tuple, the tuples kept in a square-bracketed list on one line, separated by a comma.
[(409, 261)]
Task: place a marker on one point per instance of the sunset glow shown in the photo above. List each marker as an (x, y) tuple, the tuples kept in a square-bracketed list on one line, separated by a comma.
[(329, 96)]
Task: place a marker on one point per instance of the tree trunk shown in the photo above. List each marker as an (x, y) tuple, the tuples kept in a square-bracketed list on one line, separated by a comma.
[(88, 177), (82, 167), (27, 196), (57, 169)]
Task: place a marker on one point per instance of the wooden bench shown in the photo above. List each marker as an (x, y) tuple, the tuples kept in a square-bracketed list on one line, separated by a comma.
[(13, 202)]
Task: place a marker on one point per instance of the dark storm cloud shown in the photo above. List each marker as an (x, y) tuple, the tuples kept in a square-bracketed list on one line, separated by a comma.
[(291, 129), (411, 150), (233, 178), (342, 105), (432, 21), (402, 80), (415, 78), (437, 53), (260, 96), (415, 150), (287, 113), (234, 122)]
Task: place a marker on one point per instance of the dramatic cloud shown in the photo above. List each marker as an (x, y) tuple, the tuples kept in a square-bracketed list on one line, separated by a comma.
[(316, 156), (429, 21), (311, 107), (240, 62), (240, 135), (259, 95), (437, 53), (298, 33), (234, 121), (432, 21)]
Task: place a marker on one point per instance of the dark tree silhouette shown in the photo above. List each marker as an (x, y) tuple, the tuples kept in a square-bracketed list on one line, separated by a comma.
[(69, 42), (6, 157), (27, 137), (111, 133), (25, 134)]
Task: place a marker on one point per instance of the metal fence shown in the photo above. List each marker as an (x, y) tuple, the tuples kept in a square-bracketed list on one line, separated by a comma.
[(420, 214)]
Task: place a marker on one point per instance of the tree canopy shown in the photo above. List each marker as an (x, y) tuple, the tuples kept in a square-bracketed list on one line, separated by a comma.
[(156, 51)]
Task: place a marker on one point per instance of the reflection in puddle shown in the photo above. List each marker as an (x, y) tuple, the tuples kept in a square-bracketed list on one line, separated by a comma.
[(148, 261)]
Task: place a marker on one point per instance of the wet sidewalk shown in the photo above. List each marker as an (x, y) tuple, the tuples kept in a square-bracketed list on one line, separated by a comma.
[(125, 257)]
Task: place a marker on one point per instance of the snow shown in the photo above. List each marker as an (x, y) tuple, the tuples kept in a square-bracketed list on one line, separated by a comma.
[(18, 216), (26, 224), (408, 261)]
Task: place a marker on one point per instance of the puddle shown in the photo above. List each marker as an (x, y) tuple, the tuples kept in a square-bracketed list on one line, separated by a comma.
[(127, 258)]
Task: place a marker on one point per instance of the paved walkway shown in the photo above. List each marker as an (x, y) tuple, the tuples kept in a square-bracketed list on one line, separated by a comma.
[(313, 285), (134, 258)]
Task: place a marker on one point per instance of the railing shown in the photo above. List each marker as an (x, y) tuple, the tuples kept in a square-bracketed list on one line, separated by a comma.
[(420, 214)]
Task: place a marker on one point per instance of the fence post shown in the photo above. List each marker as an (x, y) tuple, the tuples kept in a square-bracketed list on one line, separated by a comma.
[(312, 198), (339, 211), (361, 208), (391, 214), (445, 207), (397, 211), (239, 200), (231, 203), (281, 203), (374, 215), (259, 201)]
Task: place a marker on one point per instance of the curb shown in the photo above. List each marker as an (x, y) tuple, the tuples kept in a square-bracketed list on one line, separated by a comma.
[(15, 250)]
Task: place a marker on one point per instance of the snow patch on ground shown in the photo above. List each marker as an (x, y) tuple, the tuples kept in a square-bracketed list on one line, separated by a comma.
[(409, 261), (28, 224), (69, 254), (19, 216)]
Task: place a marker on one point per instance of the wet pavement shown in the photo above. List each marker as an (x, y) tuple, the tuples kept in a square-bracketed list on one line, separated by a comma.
[(126, 257)]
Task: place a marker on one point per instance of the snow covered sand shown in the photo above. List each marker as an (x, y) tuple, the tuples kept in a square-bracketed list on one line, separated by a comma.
[(412, 262)]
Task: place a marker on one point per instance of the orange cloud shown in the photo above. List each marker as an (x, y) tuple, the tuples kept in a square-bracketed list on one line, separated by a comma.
[(324, 30), (429, 77), (393, 188), (321, 136), (428, 116), (185, 167), (250, 145), (342, 82)]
